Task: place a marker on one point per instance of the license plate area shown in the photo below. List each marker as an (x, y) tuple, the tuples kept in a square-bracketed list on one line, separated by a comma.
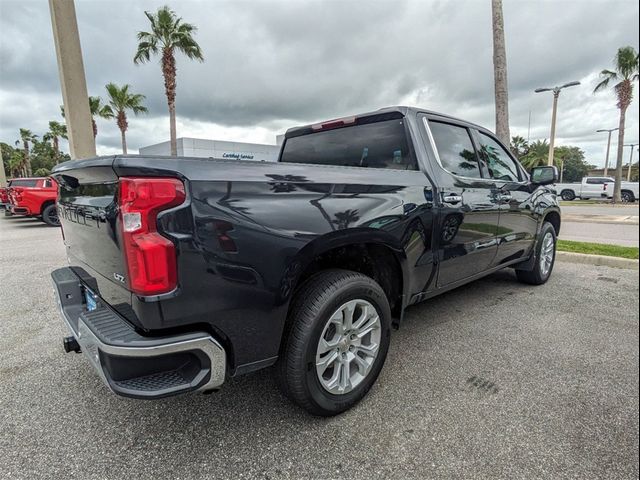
[(90, 299)]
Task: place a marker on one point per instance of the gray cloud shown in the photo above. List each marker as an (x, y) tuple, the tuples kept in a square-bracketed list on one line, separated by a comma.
[(271, 65)]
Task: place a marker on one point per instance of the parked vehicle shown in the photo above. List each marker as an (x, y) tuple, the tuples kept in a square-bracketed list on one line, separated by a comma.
[(34, 197), (4, 196), (185, 272), (596, 187)]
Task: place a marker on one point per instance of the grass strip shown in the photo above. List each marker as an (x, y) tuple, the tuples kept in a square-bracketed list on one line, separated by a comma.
[(598, 249)]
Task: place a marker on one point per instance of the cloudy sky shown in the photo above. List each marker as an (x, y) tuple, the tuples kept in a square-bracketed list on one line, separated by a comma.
[(274, 64)]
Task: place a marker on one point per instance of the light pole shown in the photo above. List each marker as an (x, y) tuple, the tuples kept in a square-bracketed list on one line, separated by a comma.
[(606, 161), (556, 94), (632, 145)]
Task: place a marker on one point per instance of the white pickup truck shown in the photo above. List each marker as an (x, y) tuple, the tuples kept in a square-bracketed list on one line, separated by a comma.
[(596, 187)]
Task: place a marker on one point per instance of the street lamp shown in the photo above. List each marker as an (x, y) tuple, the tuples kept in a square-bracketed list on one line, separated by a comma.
[(632, 145), (556, 94), (606, 161)]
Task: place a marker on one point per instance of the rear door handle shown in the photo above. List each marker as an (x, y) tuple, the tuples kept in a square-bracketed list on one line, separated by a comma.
[(504, 197), (453, 199)]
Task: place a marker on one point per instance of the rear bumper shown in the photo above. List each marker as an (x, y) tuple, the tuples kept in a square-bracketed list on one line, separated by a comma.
[(20, 210), (133, 365)]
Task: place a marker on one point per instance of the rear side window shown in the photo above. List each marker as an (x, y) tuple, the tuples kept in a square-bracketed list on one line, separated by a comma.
[(27, 182), (374, 145), (598, 181), (501, 165), (455, 149)]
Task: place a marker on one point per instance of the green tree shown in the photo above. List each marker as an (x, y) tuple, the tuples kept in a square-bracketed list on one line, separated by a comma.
[(44, 156), (168, 34), (120, 101), (571, 163), (56, 131), (7, 152), (536, 155), (519, 146), (15, 164), (26, 137), (97, 109), (625, 72)]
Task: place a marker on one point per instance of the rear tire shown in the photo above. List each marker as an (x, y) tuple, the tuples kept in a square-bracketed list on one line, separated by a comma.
[(627, 196), (545, 257), (568, 195), (50, 216), (318, 368)]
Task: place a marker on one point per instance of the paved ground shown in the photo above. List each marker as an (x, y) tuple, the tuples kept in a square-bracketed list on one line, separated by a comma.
[(612, 224), (493, 380)]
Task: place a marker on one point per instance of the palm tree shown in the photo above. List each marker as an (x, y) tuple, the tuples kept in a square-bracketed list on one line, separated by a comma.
[(622, 77), (56, 131), (97, 108), (168, 34), (537, 154), (121, 100), (26, 136), (519, 146), (16, 164), (500, 73)]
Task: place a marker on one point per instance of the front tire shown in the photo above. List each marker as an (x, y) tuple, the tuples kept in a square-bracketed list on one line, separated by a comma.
[(336, 342), (544, 260)]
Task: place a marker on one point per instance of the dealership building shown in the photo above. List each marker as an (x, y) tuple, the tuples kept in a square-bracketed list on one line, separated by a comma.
[(218, 149)]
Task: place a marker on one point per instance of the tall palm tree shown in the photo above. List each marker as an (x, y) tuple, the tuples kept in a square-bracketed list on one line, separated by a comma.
[(97, 109), (121, 100), (26, 136), (56, 131), (168, 34), (500, 73), (625, 72)]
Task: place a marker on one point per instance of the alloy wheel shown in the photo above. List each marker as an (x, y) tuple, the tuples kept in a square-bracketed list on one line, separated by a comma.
[(348, 346)]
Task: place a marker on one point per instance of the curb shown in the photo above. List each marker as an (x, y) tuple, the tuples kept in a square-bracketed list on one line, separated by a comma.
[(598, 260), (617, 219)]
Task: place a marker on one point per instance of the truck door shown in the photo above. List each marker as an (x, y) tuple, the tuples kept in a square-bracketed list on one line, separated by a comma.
[(465, 233), (517, 224)]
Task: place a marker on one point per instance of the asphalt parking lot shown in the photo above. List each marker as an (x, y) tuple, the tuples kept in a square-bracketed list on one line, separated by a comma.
[(493, 380)]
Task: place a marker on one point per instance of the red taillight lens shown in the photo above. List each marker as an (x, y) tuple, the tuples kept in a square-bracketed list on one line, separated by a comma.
[(150, 257)]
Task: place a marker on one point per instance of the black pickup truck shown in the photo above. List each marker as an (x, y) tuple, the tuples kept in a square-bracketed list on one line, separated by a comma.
[(184, 272)]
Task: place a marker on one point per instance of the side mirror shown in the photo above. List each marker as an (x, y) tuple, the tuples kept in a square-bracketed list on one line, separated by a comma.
[(545, 175)]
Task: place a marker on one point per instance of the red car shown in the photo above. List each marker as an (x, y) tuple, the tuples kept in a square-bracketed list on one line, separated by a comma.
[(34, 197)]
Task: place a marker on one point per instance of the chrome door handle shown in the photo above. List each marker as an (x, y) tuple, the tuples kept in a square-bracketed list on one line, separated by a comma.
[(504, 197), (453, 199)]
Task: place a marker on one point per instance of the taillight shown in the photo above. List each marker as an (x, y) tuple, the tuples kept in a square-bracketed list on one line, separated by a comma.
[(150, 257)]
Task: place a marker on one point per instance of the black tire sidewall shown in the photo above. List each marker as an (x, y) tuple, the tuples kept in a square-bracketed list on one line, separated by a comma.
[(360, 289), (45, 216)]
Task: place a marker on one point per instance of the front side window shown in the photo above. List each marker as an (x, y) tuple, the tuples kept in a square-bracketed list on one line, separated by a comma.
[(501, 165), (455, 149), (382, 144)]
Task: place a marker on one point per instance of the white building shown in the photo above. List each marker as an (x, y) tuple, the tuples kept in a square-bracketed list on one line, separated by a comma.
[(196, 147)]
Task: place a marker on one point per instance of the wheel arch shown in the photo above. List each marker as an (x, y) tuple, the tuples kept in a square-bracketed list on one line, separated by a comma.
[(372, 252), (45, 204), (553, 217)]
